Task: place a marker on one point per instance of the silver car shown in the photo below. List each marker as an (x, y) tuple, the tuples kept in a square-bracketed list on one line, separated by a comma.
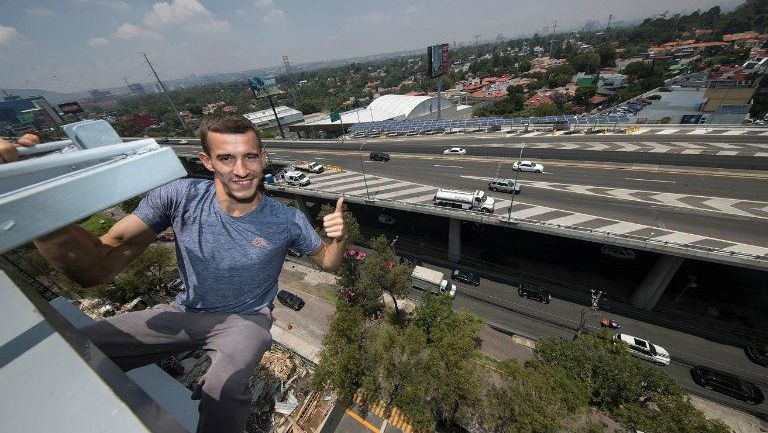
[(504, 185)]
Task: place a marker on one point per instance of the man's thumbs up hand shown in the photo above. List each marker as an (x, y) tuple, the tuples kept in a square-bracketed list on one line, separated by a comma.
[(333, 223)]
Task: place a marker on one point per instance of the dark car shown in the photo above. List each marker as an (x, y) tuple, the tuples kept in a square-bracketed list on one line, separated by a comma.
[(665, 89), (532, 291), (465, 277), (654, 97), (379, 156), (410, 261), (727, 384), (290, 300), (757, 354)]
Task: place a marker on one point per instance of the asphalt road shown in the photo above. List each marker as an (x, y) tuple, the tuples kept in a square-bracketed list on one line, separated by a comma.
[(473, 173)]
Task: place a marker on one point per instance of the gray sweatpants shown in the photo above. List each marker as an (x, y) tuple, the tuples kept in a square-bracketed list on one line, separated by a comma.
[(235, 343)]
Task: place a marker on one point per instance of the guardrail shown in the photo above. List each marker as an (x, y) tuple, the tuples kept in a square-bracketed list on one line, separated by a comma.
[(584, 233)]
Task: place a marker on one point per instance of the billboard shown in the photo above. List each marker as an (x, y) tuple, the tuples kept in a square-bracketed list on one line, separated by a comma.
[(263, 86), (70, 108), (437, 56)]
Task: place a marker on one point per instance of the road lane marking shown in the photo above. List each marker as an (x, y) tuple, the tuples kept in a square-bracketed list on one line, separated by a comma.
[(649, 180), (359, 419), (448, 166)]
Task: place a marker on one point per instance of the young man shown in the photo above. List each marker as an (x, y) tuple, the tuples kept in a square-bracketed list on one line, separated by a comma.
[(231, 241)]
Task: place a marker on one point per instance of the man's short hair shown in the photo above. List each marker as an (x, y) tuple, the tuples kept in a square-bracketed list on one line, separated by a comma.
[(226, 124)]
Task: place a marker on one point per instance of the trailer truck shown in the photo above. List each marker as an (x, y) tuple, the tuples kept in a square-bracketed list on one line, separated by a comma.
[(432, 281), (466, 200)]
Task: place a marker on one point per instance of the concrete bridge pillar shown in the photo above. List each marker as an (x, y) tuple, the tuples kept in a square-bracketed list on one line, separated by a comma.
[(454, 240), (648, 293)]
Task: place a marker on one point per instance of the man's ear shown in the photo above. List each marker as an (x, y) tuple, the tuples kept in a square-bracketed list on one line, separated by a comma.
[(206, 160)]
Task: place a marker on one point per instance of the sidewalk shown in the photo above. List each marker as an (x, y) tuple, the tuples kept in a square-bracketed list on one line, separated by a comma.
[(303, 332)]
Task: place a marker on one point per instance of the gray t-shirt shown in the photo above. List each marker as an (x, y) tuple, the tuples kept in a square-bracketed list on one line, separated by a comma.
[(228, 264)]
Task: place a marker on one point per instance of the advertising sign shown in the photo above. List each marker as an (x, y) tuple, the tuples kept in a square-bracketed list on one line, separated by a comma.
[(263, 86), (437, 56)]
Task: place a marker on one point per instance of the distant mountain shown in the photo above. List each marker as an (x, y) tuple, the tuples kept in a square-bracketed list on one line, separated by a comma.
[(52, 97)]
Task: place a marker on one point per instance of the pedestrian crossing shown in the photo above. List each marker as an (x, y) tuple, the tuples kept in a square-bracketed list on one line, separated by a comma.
[(619, 130), (394, 416), (687, 148), (388, 189)]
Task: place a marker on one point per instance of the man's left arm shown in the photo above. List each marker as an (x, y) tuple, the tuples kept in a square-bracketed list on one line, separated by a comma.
[(328, 256)]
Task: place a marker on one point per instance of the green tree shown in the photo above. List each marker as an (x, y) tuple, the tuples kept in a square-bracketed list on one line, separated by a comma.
[(587, 62), (583, 93), (607, 55), (130, 205), (345, 364), (155, 267)]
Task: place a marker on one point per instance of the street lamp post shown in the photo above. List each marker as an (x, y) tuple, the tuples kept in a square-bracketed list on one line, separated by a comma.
[(362, 167), (517, 174)]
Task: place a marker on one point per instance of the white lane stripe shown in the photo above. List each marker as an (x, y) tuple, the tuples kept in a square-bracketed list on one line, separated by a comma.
[(622, 227), (734, 132), (571, 220), (641, 131), (726, 205), (747, 249), (690, 145), (531, 134), (531, 212), (406, 192), (727, 152), (680, 238), (698, 131), (763, 133), (378, 188), (330, 176), (726, 146), (667, 131), (692, 151), (322, 183), (761, 154), (650, 180), (369, 182), (420, 199), (501, 204)]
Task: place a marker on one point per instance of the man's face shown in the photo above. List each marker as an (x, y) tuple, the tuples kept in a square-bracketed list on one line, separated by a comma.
[(237, 163)]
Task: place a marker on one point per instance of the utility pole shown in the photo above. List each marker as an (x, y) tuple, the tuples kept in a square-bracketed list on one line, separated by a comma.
[(165, 92), (608, 27), (552, 40)]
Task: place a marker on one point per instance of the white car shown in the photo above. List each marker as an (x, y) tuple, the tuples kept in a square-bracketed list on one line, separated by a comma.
[(183, 142), (528, 166), (455, 151), (644, 349)]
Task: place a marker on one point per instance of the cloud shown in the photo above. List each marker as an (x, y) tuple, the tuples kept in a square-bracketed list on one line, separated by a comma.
[(39, 12), (263, 3), (97, 42), (7, 34), (274, 17), (179, 11), (130, 31)]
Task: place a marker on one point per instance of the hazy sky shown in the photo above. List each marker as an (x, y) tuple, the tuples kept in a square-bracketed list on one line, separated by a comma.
[(71, 45)]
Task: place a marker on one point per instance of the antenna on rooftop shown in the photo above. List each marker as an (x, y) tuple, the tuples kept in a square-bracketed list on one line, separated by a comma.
[(552, 40), (289, 73)]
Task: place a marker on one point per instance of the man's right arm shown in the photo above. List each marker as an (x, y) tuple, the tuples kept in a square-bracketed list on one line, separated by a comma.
[(90, 260)]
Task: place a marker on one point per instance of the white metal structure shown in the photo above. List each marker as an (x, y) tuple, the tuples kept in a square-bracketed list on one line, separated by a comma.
[(46, 367), (528, 166), (466, 200), (432, 281), (644, 349)]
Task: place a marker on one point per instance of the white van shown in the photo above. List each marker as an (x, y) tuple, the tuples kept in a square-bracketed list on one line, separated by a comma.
[(296, 178)]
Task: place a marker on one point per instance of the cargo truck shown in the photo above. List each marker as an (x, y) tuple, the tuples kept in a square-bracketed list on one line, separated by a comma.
[(466, 200), (432, 281)]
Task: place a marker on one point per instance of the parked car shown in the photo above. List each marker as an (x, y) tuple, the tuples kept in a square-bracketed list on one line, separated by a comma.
[(354, 253), (644, 349), (182, 141), (164, 140), (386, 219), (727, 384), (528, 166), (379, 156), (503, 185), (410, 261), (466, 277), (757, 354), (533, 291), (654, 97), (296, 178), (176, 285), (455, 151), (664, 89), (290, 300)]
